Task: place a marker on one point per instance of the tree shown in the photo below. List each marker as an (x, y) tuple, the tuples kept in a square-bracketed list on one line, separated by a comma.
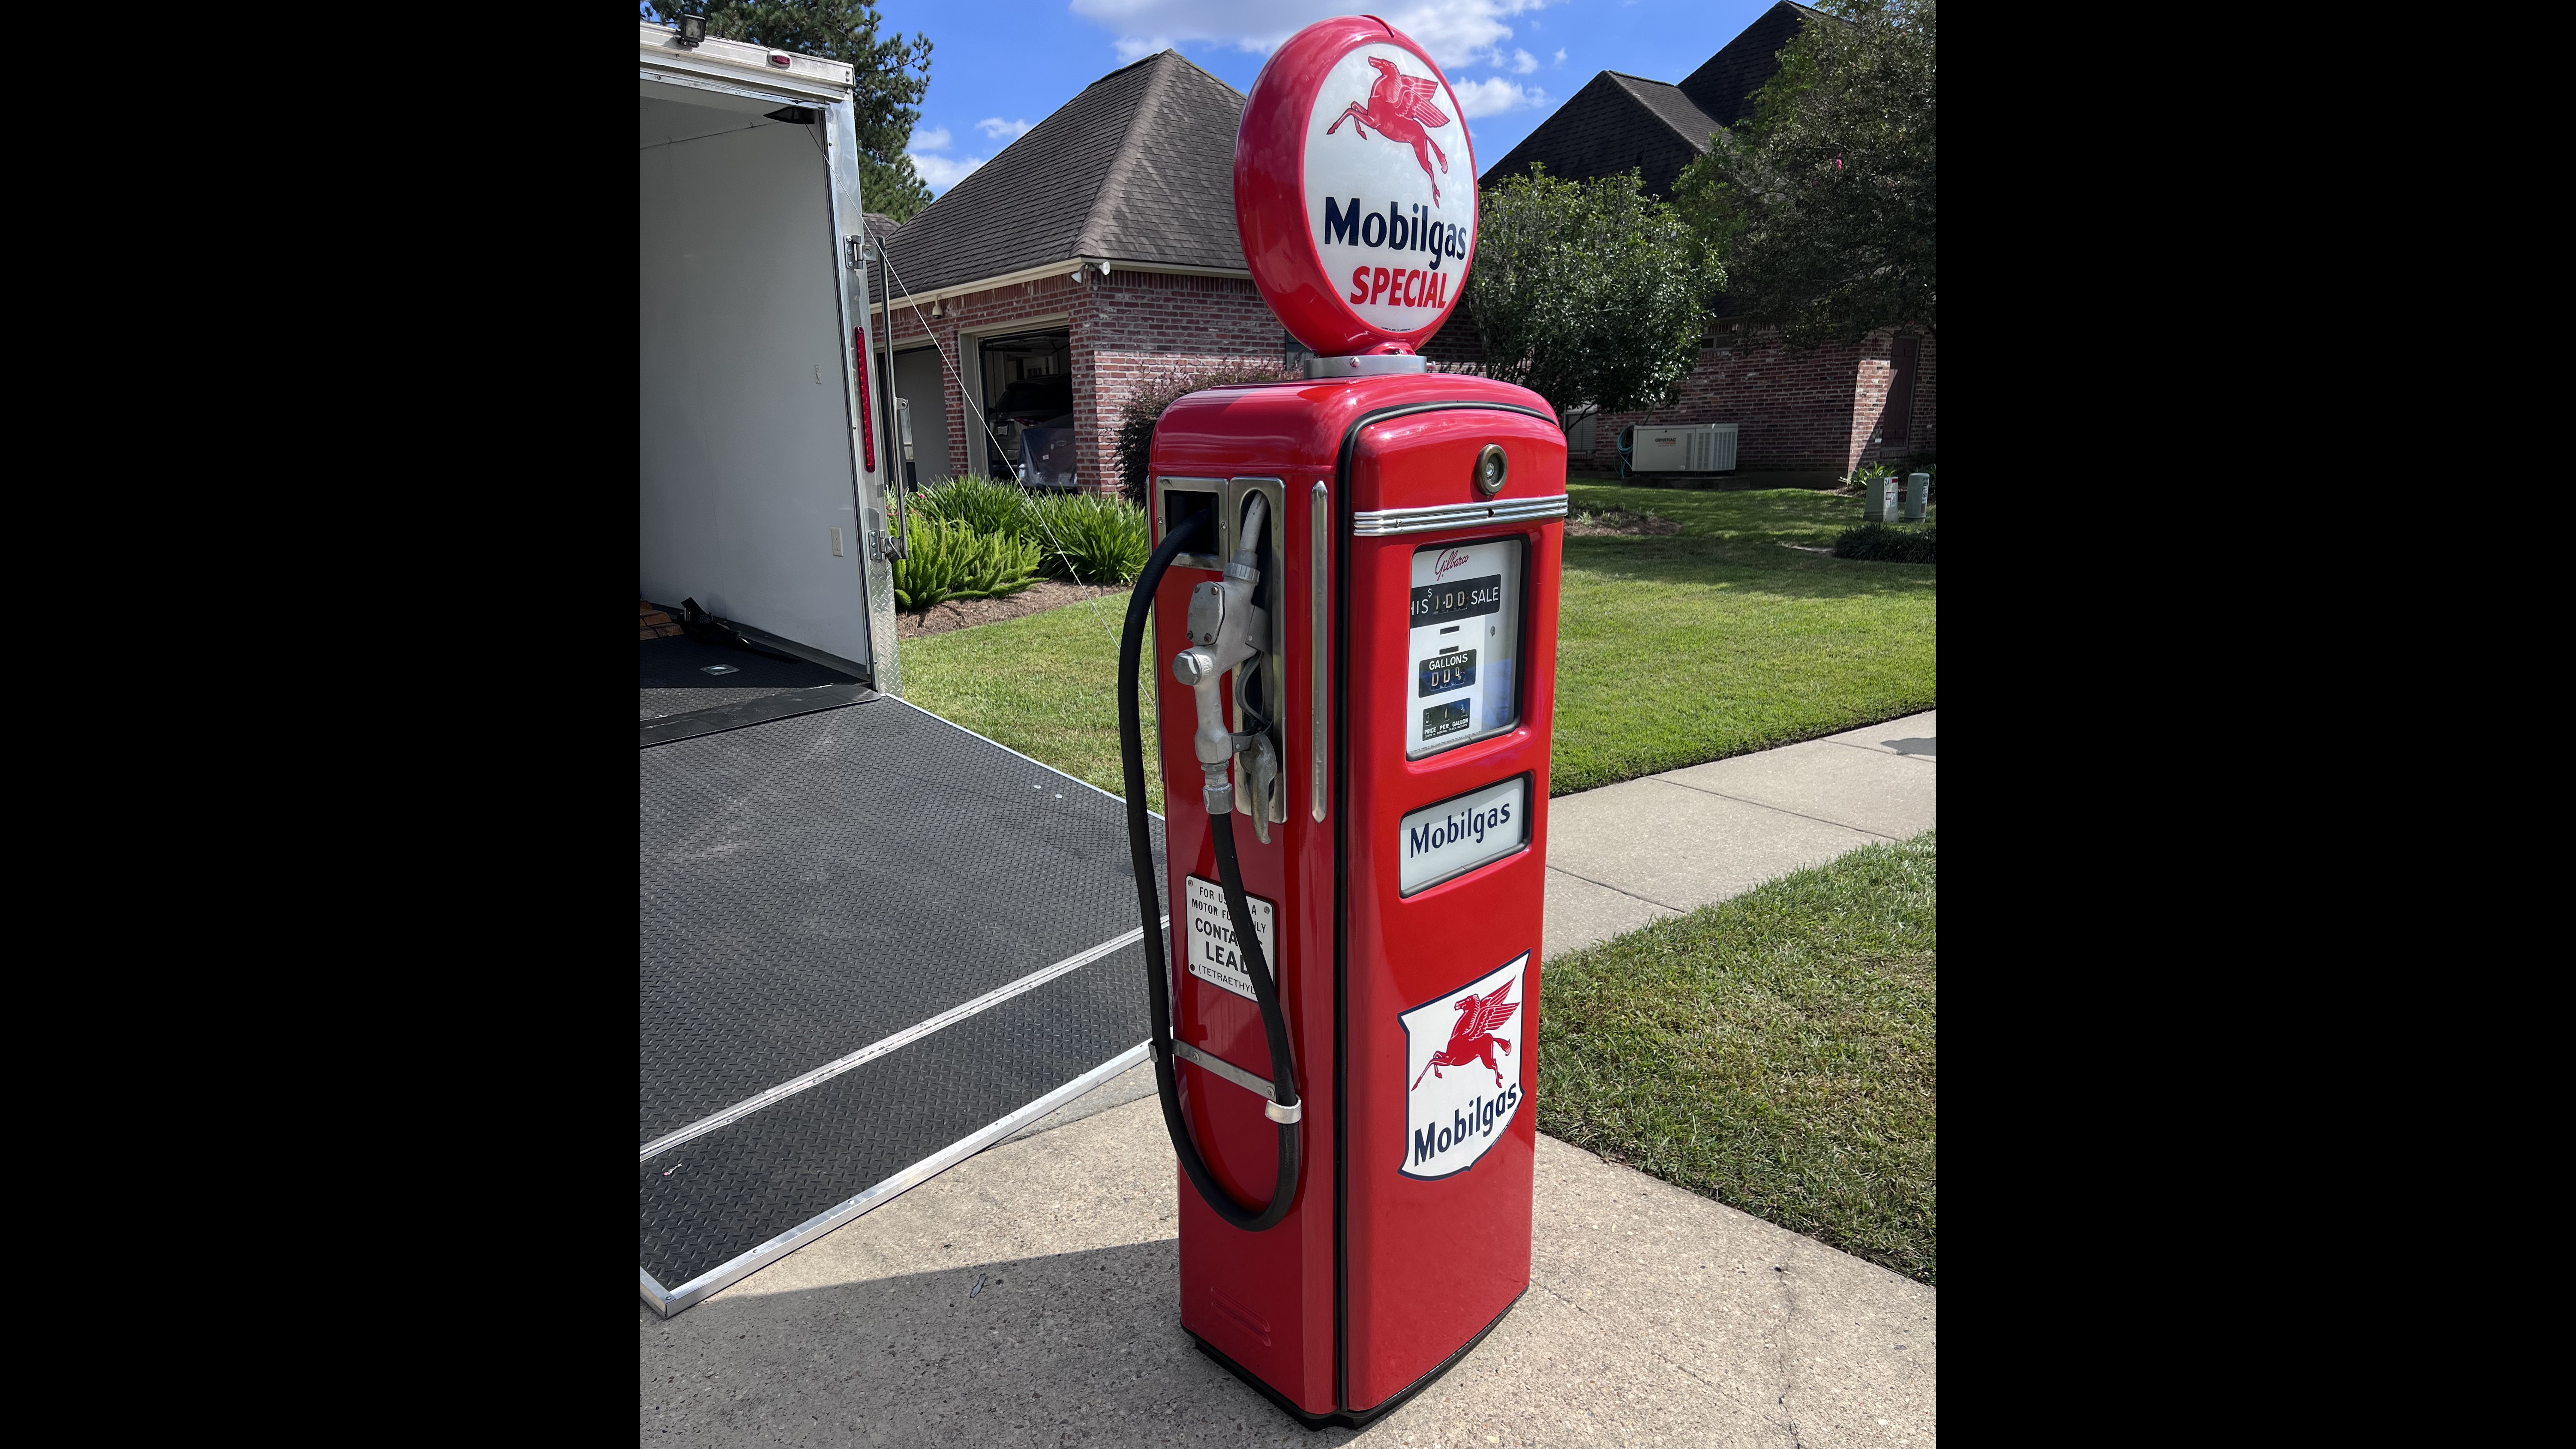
[(1823, 204), (1588, 293), (891, 76)]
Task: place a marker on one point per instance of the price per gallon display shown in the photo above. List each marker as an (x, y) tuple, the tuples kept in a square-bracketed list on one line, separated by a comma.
[(1443, 603)]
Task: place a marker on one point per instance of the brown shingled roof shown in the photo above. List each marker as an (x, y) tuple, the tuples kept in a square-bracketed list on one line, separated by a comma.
[(1724, 87), (1621, 121), (1615, 123), (1137, 168)]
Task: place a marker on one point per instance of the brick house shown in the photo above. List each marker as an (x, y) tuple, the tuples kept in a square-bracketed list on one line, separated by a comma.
[(1095, 249), (1825, 409), (1100, 248)]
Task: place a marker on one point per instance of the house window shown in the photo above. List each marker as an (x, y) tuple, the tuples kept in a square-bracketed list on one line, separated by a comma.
[(1028, 407), (1294, 351)]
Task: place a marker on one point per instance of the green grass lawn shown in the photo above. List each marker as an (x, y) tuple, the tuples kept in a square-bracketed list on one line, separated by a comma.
[(1684, 648), (1775, 1052), (1045, 685), (1671, 650)]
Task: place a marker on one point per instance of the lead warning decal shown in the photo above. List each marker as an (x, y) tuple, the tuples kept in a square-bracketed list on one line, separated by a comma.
[(1214, 957), (1462, 1059)]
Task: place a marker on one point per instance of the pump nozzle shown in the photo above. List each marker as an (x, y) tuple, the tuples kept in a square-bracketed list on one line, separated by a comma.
[(1227, 632), (1283, 1108)]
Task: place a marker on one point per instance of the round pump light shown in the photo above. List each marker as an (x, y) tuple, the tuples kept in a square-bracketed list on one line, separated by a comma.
[(1492, 468)]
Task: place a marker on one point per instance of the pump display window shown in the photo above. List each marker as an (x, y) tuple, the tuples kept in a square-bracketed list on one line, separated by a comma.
[(1466, 626)]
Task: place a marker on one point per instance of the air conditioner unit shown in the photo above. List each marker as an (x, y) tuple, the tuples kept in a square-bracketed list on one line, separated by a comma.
[(1700, 448)]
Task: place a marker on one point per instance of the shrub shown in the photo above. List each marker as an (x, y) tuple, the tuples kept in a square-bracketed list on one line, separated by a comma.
[(1859, 479), (1088, 538), (1144, 408), (1877, 541), (946, 560), (986, 505)]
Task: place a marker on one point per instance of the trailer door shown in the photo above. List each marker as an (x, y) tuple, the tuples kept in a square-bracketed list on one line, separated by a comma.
[(760, 490)]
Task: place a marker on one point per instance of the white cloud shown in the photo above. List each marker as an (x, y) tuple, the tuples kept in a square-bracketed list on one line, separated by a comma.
[(1001, 130), (941, 172), (1523, 62), (1456, 32), (934, 139), (1495, 96), (1560, 55)]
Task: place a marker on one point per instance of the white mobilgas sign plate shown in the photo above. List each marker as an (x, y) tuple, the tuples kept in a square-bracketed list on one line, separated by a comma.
[(1462, 1053), (1390, 188), (1213, 956), (1460, 834)]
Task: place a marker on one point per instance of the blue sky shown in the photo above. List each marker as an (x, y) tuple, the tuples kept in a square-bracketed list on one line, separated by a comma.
[(999, 67)]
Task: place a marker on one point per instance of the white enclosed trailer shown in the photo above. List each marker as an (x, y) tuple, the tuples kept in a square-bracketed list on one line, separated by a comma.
[(761, 449)]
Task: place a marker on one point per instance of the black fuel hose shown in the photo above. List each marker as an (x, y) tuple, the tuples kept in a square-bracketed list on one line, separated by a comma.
[(1140, 846)]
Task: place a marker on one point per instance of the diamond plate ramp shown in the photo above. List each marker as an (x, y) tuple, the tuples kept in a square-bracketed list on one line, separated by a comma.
[(816, 884), (833, 890), (742, 1185)]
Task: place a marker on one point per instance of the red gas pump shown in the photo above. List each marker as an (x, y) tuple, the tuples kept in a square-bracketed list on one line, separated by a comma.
[(1354, 601)]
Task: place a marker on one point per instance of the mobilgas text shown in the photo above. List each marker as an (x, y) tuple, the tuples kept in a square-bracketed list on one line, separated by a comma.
[(1430, 1141), (1456, 828), (1398, 230)]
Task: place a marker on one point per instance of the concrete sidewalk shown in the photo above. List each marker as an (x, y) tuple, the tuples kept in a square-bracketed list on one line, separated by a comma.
[(1026, 1296), (1630, 854)]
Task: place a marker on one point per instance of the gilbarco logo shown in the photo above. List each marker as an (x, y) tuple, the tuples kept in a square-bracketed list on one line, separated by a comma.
[(1460, 1100)]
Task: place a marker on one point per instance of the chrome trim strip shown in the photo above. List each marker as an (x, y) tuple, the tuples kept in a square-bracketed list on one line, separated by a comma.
[(1319, 548), (1258, 1086), (1378, 523), (1375, 364), (899, 1040), (725, 1275)]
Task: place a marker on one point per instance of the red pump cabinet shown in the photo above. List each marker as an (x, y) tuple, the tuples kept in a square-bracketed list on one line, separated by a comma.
[(1402, 886), (1353, 652)]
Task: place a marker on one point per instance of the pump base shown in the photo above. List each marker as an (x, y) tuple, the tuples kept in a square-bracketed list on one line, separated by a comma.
[(1353, 1418)]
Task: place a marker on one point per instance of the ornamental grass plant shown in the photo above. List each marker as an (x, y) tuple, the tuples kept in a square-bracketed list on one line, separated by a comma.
[(944, 560), (1087, 538), (987, 505)]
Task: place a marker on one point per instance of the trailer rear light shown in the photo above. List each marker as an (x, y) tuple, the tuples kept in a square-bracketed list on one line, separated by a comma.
[(778, 60), (867, 423)]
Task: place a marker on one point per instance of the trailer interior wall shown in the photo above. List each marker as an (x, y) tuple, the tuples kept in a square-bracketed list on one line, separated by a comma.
[(744, 449)]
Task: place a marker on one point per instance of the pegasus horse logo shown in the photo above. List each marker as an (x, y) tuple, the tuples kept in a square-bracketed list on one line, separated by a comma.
[(1399, 105), (1472, 1039)]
